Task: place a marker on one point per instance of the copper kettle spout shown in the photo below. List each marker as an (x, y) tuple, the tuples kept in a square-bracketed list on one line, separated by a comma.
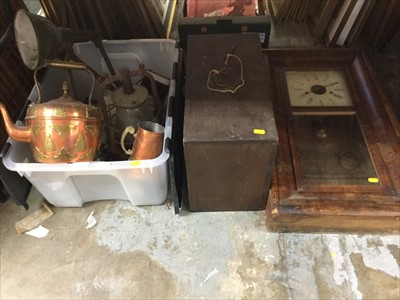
[(18, 133)]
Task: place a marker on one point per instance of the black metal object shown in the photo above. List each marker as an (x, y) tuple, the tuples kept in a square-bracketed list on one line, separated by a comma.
[(229, 138), (223, 25), (18, 187), (177, 169)]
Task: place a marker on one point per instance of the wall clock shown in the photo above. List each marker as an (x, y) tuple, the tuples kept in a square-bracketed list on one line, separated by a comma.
[(337, 164)]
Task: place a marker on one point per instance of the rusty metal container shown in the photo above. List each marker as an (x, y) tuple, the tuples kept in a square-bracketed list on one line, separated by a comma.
[(229, 136)]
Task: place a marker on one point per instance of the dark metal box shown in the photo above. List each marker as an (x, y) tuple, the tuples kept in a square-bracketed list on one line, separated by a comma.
[(229, 139)]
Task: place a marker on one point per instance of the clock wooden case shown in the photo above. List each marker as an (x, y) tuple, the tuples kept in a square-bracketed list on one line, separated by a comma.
[(337, 165)]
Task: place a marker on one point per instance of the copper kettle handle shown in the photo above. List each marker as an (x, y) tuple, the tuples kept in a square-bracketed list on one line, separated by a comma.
[(64, 65)]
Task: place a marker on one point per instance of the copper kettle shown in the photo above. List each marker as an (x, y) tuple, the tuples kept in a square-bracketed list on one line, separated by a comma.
[(60, 130)]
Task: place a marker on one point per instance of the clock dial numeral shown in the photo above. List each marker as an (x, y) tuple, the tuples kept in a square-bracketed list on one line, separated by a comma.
[(310, 100), (305, 76), (330, 100), (321, 102), (303, 95), (337, 96)]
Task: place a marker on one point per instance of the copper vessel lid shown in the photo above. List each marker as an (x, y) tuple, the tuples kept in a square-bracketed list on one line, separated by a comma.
[(64, 107)]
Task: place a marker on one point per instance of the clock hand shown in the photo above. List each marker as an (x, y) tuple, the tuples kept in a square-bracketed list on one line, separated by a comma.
[(331, 84)]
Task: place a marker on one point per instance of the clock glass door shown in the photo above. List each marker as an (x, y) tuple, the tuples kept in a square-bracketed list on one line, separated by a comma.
[(330, 150)]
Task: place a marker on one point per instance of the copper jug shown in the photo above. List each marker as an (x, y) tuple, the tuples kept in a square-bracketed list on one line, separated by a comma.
[(148, 142), (61, 130)]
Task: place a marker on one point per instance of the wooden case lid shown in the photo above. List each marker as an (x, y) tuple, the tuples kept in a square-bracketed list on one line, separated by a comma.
[(224, 116)]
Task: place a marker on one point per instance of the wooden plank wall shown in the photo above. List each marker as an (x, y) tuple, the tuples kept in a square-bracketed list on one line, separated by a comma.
[(113, 19)]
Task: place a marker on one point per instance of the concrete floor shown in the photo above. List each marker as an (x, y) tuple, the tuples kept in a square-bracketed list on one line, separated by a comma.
[(148, 252)]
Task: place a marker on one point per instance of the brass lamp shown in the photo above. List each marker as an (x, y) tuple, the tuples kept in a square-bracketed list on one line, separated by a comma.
[(38, 39)]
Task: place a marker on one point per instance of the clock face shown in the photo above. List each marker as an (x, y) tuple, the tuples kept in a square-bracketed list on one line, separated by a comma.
[(318, 89)]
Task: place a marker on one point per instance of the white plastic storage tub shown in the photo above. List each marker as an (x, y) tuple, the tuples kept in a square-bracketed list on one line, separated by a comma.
[(142, 182)]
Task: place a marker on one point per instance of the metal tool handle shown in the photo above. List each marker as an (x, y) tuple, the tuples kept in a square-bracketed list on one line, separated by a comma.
[(63, 65), (131, 130)]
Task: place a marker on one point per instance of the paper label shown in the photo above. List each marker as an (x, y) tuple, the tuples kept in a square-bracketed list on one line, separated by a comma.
[(90, 221), (39, 232), (259, 131), (373, 180), (262, 37)]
